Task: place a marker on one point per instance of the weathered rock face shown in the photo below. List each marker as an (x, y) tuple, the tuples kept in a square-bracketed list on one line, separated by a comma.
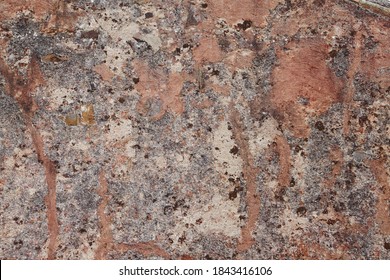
[(194, 129)]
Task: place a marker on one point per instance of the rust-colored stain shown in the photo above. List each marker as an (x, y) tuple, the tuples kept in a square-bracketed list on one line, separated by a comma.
[(104, 71), (207, 51), (237, 11), (186, 257), (302, 72), (87, 116), (40, 8), (153, 84), (62, 19), (283, 149), (378, 168), (22, 94), (105, 240), (72, 120), (250, 172), (316, 251), (54, 58), (20, 87), (51, 197), (337, 158)]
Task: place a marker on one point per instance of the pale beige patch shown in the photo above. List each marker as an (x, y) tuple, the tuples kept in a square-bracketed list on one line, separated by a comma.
[(225, 160), (292, 223), (260, 137), (120, 130), (218, 217), (58, 96)]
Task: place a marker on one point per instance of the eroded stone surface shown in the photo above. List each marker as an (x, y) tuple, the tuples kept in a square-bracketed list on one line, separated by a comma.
[(194, 129)]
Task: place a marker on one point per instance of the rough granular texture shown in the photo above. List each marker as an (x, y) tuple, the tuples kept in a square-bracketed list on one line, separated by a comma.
[(194, 129)]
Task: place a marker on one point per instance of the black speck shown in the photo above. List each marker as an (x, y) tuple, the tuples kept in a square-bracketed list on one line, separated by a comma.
[(333, 53), (320, 126), (18, 221), (148, 15), (18, 244), (177, 51), (234, 150), (245, 25), (182, 239), (301, 211), (232, 195), (215, 72)]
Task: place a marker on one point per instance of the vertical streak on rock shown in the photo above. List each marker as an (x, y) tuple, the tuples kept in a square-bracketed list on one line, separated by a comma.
[(106, 239), (50, 199), (284, 160), (22, 95), (378, 168), (337, 158), (250, 172), (355, 63)]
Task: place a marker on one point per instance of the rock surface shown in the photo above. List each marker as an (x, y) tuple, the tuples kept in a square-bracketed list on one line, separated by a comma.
[(137, 129)]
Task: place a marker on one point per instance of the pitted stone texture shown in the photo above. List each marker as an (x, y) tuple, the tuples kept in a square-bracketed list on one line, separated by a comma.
[(194, 129)]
